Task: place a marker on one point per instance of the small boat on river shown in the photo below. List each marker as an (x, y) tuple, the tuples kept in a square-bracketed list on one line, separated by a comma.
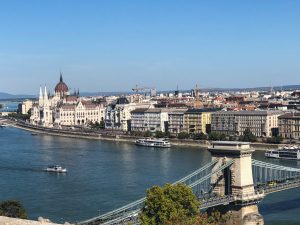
[(56, 169)]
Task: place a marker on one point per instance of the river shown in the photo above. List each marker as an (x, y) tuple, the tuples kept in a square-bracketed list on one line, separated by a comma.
[(104, 175)]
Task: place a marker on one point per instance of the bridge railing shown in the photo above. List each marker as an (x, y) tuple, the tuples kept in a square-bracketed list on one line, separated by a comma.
[(195, 180)]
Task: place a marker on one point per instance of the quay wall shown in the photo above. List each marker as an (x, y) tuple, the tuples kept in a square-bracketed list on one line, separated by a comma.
[(126, 138)]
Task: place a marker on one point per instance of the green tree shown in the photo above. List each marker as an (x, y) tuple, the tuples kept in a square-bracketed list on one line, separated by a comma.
[(170, 204), (12, 208), (200, 136), (183, 135), (159, 134), (147, 133), (248, 136), (214, 136), (274, 140)]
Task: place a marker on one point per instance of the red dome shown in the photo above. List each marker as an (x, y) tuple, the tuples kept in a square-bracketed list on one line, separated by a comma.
[(61, 87)]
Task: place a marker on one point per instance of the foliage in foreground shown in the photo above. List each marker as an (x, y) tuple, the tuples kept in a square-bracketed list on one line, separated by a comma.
[(12, 208), (175, 205)]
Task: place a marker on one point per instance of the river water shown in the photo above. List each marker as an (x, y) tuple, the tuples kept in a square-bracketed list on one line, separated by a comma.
[(104, 175)]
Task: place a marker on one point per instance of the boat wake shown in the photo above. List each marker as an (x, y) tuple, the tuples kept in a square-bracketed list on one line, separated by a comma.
[(25, 169)]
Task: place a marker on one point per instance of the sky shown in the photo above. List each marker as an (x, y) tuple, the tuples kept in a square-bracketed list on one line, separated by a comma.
[(113, 45)]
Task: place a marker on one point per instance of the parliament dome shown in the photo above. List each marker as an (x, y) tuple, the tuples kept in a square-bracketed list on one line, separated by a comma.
[(61, 87)]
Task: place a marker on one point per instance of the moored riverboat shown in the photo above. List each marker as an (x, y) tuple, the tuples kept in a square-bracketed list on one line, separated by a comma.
[(287, 152), (153, 142)]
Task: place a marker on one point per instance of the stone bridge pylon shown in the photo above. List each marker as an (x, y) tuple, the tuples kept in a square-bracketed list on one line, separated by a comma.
[(237, 181)]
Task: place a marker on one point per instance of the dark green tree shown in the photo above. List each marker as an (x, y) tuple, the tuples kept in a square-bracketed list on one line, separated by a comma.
[(214, 136), (183, 135), (147, 133), (275, 140), (159, 134), (248, 136), (200, 136), (170, 204), (12, 208)]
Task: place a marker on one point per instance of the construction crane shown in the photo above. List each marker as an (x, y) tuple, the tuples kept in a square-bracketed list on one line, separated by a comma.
[(138, 89)]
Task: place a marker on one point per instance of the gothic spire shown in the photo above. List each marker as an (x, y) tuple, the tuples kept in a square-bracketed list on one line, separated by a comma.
[(61, 78)]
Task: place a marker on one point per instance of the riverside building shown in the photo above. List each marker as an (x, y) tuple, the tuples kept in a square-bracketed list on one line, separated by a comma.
[(197, 120), (63, 109), (289, 125), (149, 120), (260, 123), (118, 114)]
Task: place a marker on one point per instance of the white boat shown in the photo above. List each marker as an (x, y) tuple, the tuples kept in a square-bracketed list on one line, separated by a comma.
[(152, 142), (287, 152), (56, 169)]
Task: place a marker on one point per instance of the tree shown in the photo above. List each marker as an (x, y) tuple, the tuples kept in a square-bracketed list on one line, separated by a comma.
[(13, 209), (183, 135), (170, 204), (147, 133), (248, 136), (214, 136), (200, 136), (159, 134), (274, 140)]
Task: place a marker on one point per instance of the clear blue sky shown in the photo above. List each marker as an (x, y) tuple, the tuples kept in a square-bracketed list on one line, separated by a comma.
[(113, 45)]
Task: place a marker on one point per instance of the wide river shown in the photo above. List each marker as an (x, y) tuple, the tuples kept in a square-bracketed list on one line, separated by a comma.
[(104, 175)]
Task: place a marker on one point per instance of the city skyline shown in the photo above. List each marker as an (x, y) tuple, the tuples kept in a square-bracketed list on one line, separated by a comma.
[(112, 46)]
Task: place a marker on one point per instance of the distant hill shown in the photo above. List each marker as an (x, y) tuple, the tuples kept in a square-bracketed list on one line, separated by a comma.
[(10, 96), (284, 87)]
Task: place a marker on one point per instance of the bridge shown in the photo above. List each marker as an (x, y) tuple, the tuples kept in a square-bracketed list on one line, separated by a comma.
[(232, 182)]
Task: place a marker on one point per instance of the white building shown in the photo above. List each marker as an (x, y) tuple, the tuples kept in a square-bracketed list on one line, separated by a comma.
[(118, 114), (149, 120)]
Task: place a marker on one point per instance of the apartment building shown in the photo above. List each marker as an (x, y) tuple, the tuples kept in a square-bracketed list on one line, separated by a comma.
[(175, 120), (260, 123), (149, 120), (289, 125), (197, 120)]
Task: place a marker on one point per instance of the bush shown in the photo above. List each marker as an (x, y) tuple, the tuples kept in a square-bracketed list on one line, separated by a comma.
[(12, 209)]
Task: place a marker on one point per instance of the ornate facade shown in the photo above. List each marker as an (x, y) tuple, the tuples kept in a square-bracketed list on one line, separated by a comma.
[(63, 109)]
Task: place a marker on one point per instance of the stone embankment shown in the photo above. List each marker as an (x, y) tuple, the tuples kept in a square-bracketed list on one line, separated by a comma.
[(14, 221), (122, 137)]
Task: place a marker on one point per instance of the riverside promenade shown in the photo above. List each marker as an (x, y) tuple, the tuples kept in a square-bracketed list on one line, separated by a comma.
[(120, 136)]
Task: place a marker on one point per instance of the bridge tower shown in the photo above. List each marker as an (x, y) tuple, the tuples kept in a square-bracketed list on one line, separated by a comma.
[(236, 180)]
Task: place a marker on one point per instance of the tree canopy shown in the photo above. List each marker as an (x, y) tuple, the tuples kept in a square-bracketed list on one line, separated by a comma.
[(12, 208), (170, 204), (248, 136)]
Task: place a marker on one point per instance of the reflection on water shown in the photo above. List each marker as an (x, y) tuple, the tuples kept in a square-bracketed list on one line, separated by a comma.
[(102, 175)]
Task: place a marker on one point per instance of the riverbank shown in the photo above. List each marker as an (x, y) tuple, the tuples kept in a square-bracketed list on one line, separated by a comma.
[(124, 138)]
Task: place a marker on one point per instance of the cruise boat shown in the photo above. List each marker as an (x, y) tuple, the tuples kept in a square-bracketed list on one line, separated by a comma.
[(56, 169), (287, 152), (151, 142)]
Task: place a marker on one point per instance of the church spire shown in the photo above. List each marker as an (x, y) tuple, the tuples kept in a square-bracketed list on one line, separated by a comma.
[(41, 98), (61, 78), (45, 97)]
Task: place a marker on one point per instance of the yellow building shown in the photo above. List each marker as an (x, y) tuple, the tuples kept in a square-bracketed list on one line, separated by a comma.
[(197, 120)]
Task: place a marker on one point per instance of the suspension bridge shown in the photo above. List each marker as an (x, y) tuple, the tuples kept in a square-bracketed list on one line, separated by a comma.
[(232, 179)]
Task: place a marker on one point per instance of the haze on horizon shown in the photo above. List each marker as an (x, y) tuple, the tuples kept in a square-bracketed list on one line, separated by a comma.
[(114, 45)]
